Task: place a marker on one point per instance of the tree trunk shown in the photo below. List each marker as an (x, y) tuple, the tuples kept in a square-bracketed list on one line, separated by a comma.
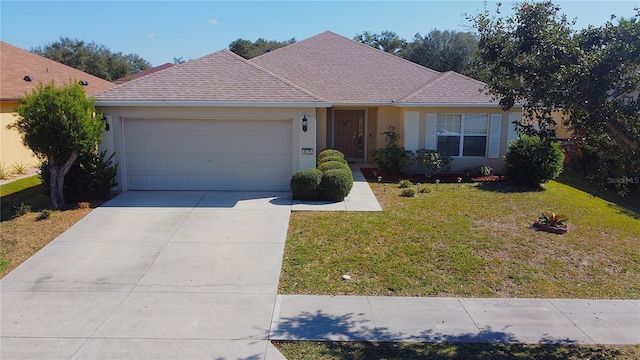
[(58, 172)]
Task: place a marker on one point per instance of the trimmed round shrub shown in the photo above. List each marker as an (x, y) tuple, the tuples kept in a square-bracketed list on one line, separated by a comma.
[(532, 160), (331, 165), (336, 184), (329, 152), (333, 158), (305, 184)]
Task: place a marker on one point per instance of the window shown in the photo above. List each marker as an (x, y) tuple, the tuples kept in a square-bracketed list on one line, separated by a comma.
[(464, 134)]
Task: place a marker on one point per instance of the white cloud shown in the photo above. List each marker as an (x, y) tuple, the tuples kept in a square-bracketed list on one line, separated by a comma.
[(213, 21), (152, 35)]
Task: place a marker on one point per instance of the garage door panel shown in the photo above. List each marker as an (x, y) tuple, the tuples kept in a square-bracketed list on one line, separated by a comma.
[(208, 154)]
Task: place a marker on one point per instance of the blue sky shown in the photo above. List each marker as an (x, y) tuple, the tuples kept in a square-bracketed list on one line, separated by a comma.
[(158, 31)]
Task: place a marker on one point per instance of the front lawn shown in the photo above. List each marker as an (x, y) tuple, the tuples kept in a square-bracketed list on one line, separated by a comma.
[(468, 240), (22, 236)]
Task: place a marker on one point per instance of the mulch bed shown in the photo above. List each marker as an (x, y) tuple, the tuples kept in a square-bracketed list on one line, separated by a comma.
[(371, 174)]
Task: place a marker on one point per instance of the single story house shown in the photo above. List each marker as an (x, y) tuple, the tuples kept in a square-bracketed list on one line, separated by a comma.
[(223, 122), (22, 71)]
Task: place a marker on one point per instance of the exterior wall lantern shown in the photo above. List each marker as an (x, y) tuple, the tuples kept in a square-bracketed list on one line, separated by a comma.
[(305, 123), (106, 124)]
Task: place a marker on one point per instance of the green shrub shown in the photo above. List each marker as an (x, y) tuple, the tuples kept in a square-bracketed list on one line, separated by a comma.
[(485, 170), (433, 162), (305, 184), (331, 165), (21, 209), (336, 184), (333, 158), (393, 159), (408, 192), (91, 177), (532, 160), (424, 190), (403, 184), (44, 214), (329, 152)]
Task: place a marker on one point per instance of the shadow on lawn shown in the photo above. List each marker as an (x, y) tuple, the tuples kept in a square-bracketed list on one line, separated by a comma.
[(32, 196), (350, 336), (507, 187), (628, 205)]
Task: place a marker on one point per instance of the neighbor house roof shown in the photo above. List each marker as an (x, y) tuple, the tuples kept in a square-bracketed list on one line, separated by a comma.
[(143, 73), (21, 71), (345, 71), (218, 77)]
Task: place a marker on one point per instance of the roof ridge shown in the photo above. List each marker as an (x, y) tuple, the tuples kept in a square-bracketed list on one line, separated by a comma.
[(388, 54), (427, 85), (275, 76)]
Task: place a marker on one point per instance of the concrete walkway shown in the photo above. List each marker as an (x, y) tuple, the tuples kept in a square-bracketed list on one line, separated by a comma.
[(458, 320)]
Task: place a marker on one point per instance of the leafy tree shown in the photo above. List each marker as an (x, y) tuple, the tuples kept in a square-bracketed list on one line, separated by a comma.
[(58, 124), (92, 58), (536, 58), (443, 50), (248, 49), (387, 41)]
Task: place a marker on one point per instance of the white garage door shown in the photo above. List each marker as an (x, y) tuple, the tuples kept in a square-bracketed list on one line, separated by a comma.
[(207, 154)]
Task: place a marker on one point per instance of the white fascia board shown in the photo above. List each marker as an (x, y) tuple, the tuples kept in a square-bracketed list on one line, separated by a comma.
[(433, 105), (362, 104), (173, 103)]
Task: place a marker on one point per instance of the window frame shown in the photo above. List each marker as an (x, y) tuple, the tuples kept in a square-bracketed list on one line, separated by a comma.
[(462, 135)]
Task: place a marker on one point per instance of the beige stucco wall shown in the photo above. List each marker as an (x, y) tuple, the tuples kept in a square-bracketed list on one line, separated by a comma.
[(12, 151), (114, 141)]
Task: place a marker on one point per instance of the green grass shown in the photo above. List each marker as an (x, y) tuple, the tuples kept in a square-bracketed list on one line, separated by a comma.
[(26, 191), (468, 240), (307, 350)]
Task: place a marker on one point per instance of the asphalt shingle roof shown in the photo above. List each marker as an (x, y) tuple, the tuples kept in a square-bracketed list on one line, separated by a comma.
[(16, 63), (451, 88), (326, 68), (220, 76), (343, 70)]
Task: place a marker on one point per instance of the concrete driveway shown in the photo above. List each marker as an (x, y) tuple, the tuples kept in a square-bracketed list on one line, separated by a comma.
[(153, 275)]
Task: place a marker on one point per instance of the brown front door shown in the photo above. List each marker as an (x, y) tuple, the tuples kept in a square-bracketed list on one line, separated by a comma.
[(348, 133)]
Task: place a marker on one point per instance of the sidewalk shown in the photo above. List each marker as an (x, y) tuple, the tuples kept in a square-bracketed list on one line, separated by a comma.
[(457, 320)]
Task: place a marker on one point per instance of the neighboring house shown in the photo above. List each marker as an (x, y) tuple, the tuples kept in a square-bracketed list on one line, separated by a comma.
[(143, 73), (223, 122), (21, 71)]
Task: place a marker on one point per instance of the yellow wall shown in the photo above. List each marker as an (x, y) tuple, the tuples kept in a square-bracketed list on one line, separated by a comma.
[(12, 151)]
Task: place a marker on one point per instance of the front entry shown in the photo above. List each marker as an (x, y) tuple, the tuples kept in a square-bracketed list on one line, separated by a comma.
[(348, 133)]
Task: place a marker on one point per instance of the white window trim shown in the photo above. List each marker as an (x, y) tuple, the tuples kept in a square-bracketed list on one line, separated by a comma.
[(462, 135)]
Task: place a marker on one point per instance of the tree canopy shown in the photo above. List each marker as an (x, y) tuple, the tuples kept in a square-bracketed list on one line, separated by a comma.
[(248, 49), (535, 58), (387, 41), (438, 50), (58, 124), (92, 58), (443, 50)]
